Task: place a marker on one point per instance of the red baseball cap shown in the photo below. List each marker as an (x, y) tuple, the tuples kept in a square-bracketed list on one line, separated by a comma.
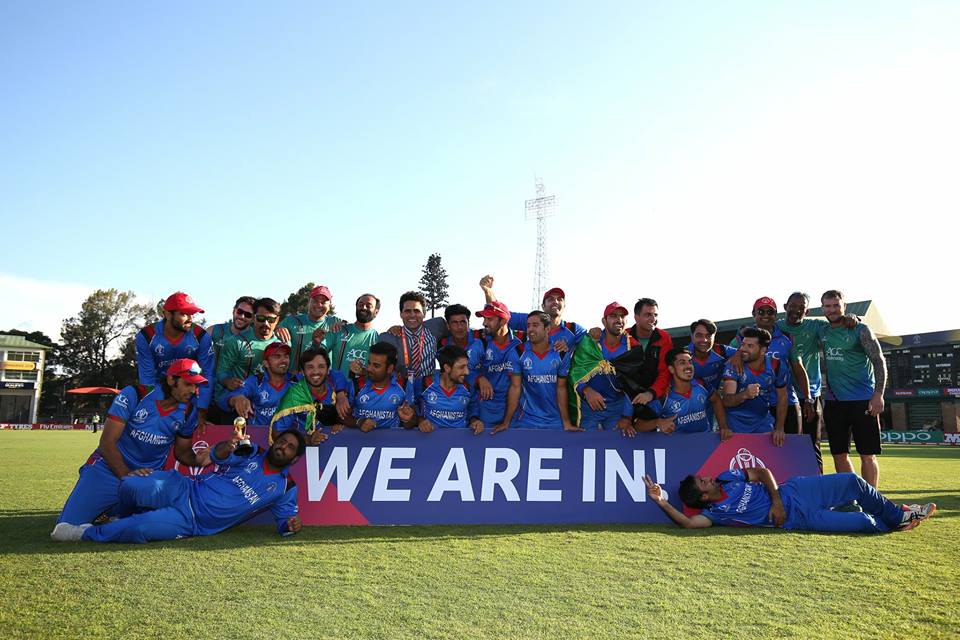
[(765, 301), (181, 302), (322, 290), (556, 291), (186, 369), (495, 309), (273, 347), (615, 306)]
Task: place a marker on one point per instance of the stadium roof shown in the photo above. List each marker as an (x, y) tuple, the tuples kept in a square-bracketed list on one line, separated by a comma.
[(865, 309), (19, 342)]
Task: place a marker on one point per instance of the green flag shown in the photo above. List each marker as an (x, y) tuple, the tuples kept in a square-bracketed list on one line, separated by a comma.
[(587, 362), (297, 399)]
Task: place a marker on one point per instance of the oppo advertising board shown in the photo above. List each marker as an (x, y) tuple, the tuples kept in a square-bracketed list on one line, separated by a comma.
[(519, 476)]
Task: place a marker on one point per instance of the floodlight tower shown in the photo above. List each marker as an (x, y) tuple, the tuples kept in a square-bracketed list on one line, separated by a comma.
[(539, 209)]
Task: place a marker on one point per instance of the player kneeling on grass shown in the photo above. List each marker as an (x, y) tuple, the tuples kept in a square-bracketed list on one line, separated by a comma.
[(751, 497), (168, 505)]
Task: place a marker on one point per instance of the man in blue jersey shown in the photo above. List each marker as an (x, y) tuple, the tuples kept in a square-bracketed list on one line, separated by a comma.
[(173, 338), (781, 346), (457, 317), (752, 498), (381, 401), (604, 405), (856, 374), (494, 379), (320, 398), (563, 336), (709, 357), (686, 408), (142, 424), (168, 505), (257, 398), (448, 402), (745, 393), (541, 371)]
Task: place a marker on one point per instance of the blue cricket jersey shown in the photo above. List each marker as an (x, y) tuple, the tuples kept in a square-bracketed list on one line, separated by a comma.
[(744, 503), (540, 374), (606, 386), (148, 433), (155, 353), (241, 487), (381, 405), (691, 410), (450, 408), (781, 347), (753, 416), (571, 332), (262, 395), (475, 354), (709, 369), (496, 366)]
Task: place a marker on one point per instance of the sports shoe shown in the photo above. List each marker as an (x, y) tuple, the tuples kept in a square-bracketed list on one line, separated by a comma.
[(66, 532), (914, 514)]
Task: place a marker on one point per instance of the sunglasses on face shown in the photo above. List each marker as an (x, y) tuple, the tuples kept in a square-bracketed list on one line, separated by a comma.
[(766, 312), (267, 319), (243, 314)]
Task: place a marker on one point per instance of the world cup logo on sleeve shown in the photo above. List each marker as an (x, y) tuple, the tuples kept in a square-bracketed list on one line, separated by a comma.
[(198, 446), (745, 460)]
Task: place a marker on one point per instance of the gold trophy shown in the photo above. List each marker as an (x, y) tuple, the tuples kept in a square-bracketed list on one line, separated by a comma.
[(244, 448)]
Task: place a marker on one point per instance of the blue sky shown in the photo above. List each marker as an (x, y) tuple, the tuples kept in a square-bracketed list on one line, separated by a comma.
[(703, 154)]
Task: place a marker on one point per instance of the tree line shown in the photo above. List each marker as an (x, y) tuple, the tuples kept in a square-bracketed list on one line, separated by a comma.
[(97, 345)]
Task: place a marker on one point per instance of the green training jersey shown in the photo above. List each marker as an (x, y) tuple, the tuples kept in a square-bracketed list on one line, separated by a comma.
[(806, 345), (348, 344), (301, 328), (239, 358), (849, 370)]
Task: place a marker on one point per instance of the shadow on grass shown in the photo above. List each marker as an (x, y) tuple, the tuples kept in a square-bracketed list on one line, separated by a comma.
[(24, 532)]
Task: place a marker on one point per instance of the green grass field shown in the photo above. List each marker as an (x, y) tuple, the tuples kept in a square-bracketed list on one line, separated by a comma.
[(476, 582)]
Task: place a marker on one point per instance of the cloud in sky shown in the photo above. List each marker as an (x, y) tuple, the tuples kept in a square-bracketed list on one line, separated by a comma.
[(37, 305)]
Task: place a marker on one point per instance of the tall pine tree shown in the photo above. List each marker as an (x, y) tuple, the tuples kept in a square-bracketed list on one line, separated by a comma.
[(433, 284)]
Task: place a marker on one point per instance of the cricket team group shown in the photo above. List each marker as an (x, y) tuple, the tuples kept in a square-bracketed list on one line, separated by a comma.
[(311, 375)]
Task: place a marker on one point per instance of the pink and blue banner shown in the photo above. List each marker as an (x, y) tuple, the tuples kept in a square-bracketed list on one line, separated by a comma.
[(519, 476)]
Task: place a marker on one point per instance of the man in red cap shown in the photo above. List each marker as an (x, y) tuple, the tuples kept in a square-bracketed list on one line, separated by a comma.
[(781, 347), (257, 398), (143, 423), (310, 327), (176, 337), (603, 405), (563, 336), (495, 378)]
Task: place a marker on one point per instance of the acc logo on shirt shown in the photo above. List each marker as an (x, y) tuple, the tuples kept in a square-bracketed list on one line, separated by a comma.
[(745, 460), (122, 401), (140, 415)]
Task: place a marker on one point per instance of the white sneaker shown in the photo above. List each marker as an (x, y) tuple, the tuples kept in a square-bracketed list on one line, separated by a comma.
[(66, 532)]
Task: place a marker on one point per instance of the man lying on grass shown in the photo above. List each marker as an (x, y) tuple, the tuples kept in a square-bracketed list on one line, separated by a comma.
[(751, 497), (166, 505)]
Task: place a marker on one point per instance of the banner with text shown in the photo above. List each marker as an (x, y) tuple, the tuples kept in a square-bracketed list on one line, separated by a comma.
[(519, 476)]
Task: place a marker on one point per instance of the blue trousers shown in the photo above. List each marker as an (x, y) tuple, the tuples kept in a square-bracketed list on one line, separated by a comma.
[(607, 418), (812, 497), (96, 491), (154, 507)]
